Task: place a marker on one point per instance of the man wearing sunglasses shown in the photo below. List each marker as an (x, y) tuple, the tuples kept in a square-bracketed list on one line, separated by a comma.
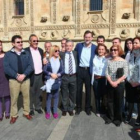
[(36, 76), (18, 66)]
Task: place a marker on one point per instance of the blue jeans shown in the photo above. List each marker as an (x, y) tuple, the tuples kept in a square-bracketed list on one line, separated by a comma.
[(55, 96), (99, 89)]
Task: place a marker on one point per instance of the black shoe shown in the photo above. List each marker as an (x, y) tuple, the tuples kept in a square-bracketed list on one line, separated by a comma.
[(64, 113), (39, 111), (32, 113), (127, 121), (77, 112), (117, 123), (137, 123), (71, 113), (108, 121), (88, 112)]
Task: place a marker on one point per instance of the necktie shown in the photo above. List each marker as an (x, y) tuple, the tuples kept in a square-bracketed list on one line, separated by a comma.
[(70, 64)]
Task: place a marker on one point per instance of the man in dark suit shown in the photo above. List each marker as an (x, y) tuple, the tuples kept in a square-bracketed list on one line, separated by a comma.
[(36, 76), (68, 87), (85, 54)]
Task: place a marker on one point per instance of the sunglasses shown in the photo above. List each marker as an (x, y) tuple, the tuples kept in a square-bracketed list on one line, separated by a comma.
[(57, 51), (35, 40), (114, 50), (19, 42)]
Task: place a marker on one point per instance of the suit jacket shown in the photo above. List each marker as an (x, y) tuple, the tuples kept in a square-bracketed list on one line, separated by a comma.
[(63, 54), (32, 74), (79, 48)]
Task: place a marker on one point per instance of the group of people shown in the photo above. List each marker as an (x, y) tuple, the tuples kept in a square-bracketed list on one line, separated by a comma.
[(113, 74)]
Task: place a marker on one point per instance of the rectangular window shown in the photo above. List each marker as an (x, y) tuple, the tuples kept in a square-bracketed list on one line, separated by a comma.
[(19, 7), (96, 5)]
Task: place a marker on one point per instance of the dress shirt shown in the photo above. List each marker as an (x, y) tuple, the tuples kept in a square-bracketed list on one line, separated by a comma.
[(67, 63), (127, 56), (36, 60), (99, 66), (85, 57)]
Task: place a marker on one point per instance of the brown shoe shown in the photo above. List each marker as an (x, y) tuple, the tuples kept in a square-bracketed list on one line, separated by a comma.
[(71, 113), (13, 120), (28, 117), (64, 113), (138, 129)]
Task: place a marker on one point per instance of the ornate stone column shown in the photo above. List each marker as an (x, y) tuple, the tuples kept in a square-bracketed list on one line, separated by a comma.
[(112, 19), (137, 9), (5, 2), (53, 11), (78, 19), (32, 15)]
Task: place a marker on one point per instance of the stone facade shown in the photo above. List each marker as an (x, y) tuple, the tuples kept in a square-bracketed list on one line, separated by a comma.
[(54, 19)]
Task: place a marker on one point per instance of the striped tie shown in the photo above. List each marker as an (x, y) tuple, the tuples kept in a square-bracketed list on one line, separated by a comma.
[(70, 64)]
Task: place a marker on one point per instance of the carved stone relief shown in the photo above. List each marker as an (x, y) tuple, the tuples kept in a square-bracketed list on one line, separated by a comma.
[(43, 35), (96, 32), (18, 22), (127, 25), (57, 27), (54, 35), (95, 18), (138, 32), (124, 33), (66, 33)]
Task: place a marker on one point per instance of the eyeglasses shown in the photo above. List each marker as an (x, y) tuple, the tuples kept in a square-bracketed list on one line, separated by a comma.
[(35, 40), (19, 42), (57, 51), (114, 50)]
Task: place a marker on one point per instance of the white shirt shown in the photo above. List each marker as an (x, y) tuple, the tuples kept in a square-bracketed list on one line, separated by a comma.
[(128, 56), (67, 63), (99, 66)]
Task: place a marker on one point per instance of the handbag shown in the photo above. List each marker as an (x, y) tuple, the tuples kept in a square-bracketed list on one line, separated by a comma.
[(119, 73), (56, 85)]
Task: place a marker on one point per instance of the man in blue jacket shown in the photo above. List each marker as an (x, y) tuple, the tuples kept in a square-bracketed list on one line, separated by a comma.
[(18, 66), (85, 53)]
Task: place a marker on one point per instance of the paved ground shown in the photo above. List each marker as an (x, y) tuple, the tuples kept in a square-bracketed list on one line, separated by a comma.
[(80, 127)]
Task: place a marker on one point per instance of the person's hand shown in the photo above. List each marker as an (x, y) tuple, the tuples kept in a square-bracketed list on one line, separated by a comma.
[(54, 76), (20, 77), (134, 84), (114, 84), (45, 61)]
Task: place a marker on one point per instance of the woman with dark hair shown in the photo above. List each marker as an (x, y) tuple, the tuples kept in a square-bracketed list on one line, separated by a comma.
[(98, 76), (4, 88), (128, 48), (133, 81), (116, 72)]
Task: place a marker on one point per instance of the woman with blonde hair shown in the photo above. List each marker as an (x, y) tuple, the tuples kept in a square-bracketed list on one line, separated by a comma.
[(116, 72), (53, 72)]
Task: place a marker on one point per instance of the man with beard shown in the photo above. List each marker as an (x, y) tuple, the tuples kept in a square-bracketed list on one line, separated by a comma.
[(85, 54)]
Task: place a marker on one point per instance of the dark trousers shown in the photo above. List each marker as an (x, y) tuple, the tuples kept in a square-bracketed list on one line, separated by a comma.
[(99, 89), (83, 77), (130, 110), (68, 92), (115, 99), (36, 93)]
